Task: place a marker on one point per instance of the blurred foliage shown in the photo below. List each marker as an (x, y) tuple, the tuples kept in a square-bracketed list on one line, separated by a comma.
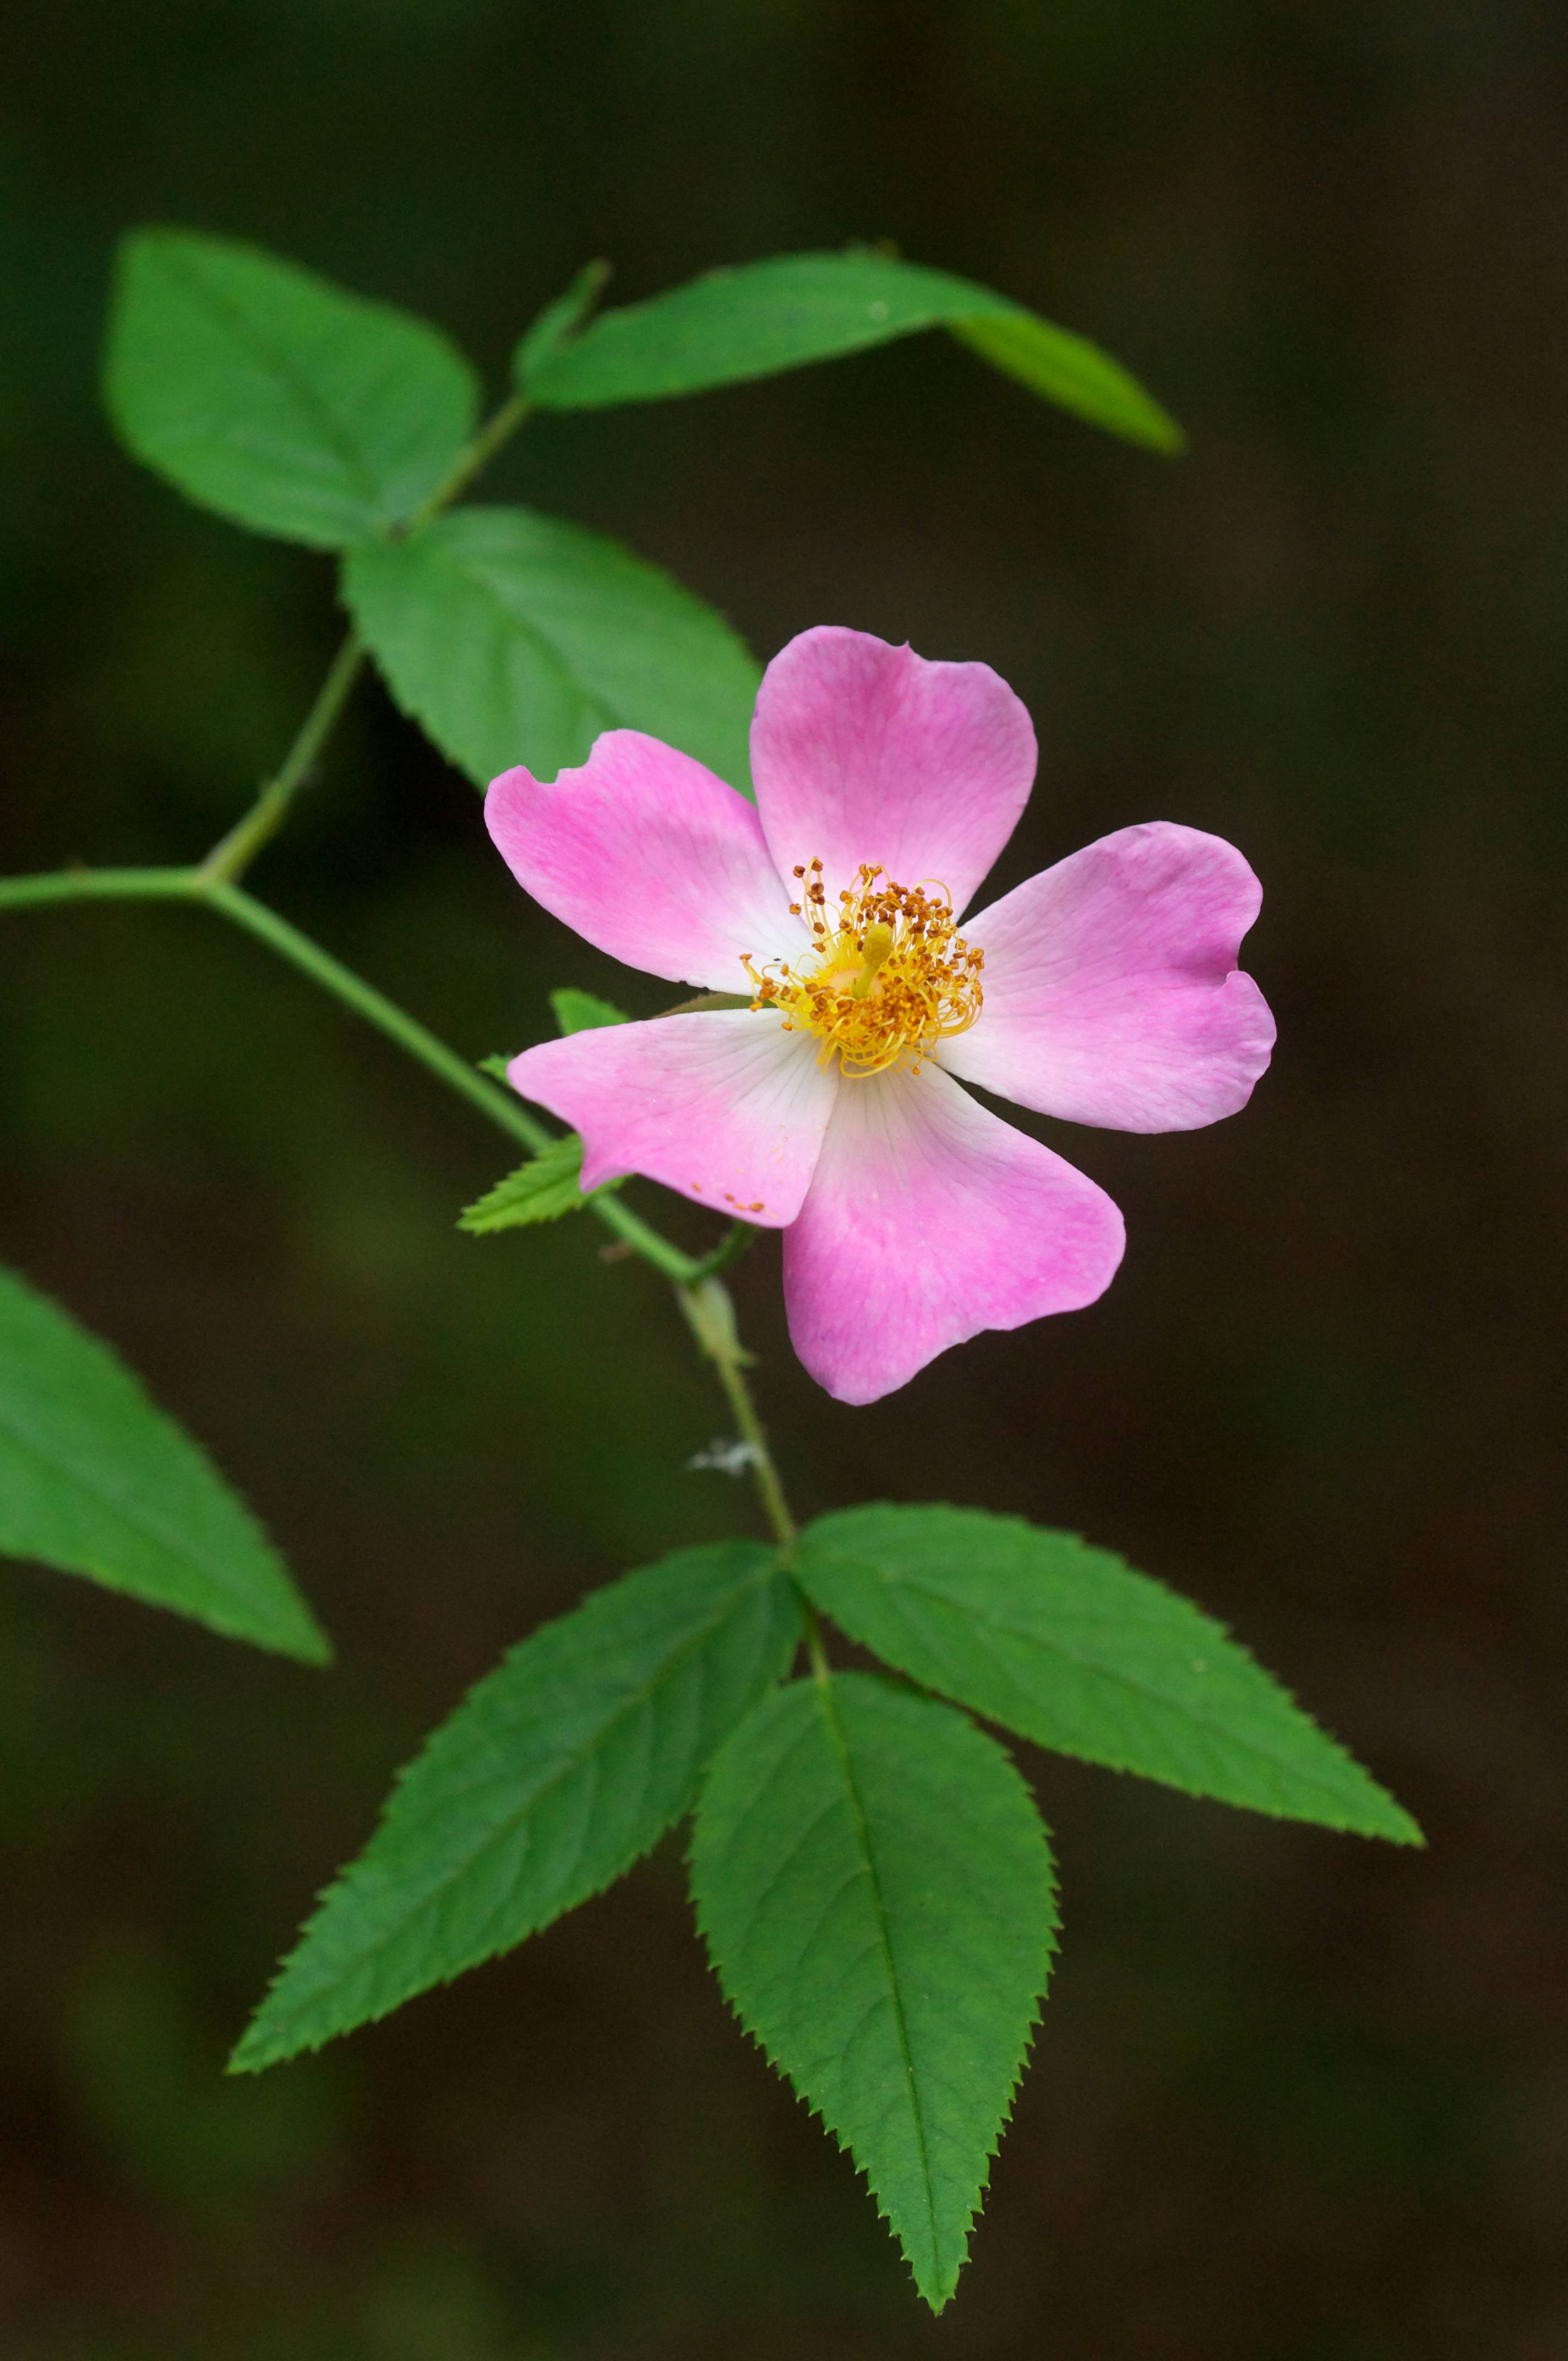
[(1293, 2099)]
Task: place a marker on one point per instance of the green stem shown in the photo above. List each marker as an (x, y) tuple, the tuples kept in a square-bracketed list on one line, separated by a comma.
[(731, 1248), (233, 853), (707, 1307), (213, 884), (475, 459), (702, 1296), (503, 1108), (385, 1014), (97, 885)]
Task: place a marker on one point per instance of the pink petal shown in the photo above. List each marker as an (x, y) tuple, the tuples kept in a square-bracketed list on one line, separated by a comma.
[(1112, 991), (861, 752), (928, 1219), (651, 857), (724, 1105)]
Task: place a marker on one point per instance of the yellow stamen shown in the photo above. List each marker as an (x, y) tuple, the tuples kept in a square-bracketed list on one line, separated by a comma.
[(887, 975)]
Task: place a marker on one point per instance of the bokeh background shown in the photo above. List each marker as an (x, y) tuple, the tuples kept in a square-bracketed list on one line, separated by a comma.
[(1295, 2098)]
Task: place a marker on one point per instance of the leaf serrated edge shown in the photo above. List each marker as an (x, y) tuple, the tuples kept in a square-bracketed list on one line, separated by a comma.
[(1338, 1824), (935, 2302), (308, 1642), (512, 1204), (239, 2062), (184, 254)]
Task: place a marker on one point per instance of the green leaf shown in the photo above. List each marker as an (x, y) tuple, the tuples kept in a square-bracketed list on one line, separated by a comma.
[(582, 1011), (540, 1190), (875, 1888), (1070, 1647), (1074, 374), (567, 1762), (274, 398), (516, 638), (731, 325), (94, 1480)]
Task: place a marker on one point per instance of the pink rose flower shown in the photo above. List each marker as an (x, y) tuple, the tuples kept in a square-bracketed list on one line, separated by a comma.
[(1104, 990)]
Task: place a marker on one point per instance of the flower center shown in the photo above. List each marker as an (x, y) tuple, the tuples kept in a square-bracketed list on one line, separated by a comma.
[(887, 976)]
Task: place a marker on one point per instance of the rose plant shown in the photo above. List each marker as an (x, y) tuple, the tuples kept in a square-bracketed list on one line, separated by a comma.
[(869, 1871)]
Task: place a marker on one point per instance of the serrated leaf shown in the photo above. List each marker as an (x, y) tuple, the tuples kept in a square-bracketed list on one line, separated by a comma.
[(1070, 1647), (280, 401), (95, 1480), (582, 1011), (874, 1886), (557, 1771), (543, 1189), (516, 638), (731, 325)]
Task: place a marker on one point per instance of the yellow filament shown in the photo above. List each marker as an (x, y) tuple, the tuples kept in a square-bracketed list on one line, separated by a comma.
[(886, 978)]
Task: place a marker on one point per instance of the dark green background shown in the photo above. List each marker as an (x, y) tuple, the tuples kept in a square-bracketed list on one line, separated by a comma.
[(1295, 2098)]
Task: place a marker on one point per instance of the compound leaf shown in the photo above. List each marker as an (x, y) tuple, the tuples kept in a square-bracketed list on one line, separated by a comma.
[(94, 1480), (730, 326), (1067, 1645), (516, 638), (280, 401), (875, 1889), (556, 1772)]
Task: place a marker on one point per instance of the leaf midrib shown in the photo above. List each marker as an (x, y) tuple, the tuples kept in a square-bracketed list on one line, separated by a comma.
[(985, 1626), (838, 1741), (354, 464), (526, 627)]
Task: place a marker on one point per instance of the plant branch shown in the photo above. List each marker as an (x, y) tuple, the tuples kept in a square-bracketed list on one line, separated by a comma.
[(503, 1107), (213, 884), (711, 1314), (738, 1236), (472, 462), (234, 853), (708, 1309), (97, 885), (702, 1296)]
